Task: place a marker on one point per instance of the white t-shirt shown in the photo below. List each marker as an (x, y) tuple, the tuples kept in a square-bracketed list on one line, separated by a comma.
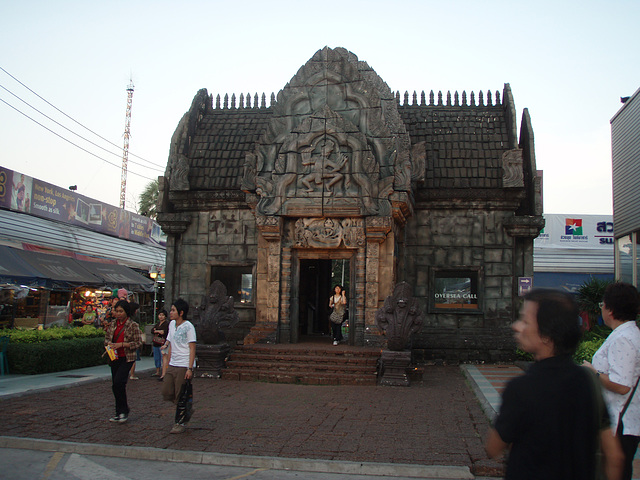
[(619, 357), (180, 338)]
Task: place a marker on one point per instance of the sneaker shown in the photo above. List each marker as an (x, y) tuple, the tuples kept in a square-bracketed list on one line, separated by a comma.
[(335, 342), (121, 418), (177, 428)]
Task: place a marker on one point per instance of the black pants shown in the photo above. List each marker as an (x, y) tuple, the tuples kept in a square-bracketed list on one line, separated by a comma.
[(120, 369), (629, 445), (336, 331)]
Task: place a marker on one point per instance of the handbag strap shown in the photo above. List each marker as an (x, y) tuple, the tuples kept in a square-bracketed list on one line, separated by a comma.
[(626, 405)]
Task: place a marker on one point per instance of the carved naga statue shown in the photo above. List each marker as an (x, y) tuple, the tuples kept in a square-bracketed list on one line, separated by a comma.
[(218, 313), (400, 317)]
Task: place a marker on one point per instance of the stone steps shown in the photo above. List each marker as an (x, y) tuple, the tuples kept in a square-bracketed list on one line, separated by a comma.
[(310, 365)]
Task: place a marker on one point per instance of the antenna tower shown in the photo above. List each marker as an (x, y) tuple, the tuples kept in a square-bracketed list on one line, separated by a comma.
[(125, 150)]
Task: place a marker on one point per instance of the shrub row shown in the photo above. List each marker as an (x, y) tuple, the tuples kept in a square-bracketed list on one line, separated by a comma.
[(54, 333), (55, 355)]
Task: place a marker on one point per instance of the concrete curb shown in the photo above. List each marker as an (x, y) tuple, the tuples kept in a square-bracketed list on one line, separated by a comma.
[(486, 406), (249, 461)]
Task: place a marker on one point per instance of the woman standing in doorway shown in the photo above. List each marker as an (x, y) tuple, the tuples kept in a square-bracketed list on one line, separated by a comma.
[(337, 301)]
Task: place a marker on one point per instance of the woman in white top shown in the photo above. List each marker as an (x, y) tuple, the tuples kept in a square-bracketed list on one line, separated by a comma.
[(337, 301), (617, 364)]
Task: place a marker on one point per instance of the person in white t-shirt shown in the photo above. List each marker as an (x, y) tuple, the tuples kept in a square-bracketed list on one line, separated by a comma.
[(617, 364), (182, 354)]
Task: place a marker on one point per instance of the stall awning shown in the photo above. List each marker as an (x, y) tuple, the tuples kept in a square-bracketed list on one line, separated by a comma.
[(59, 269), (24, 267), (16, 271), (119, 276)]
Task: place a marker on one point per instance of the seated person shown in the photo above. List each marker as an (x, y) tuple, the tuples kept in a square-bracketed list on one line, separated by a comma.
[(89, 316)]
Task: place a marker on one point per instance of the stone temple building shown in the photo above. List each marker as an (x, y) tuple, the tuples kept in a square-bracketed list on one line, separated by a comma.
[(340, 180)]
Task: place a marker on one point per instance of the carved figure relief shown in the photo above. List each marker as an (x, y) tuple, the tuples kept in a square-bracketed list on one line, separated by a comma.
[(335, 133), (216, 312), (400, 317), (329, 232), (325, 167)]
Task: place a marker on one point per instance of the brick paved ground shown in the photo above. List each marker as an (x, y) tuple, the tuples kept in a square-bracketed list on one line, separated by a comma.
[(437, 421)]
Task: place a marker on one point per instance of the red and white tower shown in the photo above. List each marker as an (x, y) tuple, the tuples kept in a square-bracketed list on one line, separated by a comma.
[(125, 150)]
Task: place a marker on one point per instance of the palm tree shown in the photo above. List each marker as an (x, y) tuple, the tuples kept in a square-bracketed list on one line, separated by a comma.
[(148, 200)]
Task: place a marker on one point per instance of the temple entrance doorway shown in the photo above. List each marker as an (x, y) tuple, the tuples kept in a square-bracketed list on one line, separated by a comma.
[(316, 282)]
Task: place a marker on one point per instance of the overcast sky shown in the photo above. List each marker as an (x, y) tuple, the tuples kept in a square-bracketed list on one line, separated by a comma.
[(568, 62)]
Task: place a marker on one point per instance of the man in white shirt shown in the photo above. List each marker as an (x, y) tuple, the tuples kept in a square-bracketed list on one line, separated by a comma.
[(182, 355)]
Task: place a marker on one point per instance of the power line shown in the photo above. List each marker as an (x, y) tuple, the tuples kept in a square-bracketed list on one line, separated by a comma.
[(69, 141), (69, 130), (74, 120)]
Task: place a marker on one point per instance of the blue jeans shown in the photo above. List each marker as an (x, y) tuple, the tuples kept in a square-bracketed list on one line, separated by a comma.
[(157, 356)]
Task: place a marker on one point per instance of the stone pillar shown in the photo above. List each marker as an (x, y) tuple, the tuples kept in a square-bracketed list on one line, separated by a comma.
[(285, 297), (376, 231), (174, 225)]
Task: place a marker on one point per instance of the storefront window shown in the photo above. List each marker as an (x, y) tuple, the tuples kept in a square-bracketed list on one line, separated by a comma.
[(238, 280), (624, 254), (455, 290)]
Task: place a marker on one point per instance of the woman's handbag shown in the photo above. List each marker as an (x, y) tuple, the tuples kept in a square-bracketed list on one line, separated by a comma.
[(158, 341)]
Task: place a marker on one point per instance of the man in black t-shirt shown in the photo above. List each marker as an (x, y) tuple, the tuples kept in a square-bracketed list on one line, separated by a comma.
[(553, 418)]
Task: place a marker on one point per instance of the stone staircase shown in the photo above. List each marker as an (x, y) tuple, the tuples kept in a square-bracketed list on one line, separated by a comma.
[(309, 364)]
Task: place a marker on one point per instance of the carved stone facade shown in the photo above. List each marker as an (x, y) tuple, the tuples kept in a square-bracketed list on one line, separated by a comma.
[(336, 169)]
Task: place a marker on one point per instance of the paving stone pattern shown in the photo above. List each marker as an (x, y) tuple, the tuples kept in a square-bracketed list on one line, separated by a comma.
[(436, 421)]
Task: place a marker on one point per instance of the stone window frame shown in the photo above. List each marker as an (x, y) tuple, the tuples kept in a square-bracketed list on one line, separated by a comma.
[(457, 272), (246, 268)]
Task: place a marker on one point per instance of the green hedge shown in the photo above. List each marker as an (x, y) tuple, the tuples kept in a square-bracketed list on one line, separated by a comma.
[(54, 333), (55, 355)]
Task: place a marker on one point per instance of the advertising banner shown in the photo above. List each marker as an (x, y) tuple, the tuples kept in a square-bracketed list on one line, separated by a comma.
[(21, 193), (576, 231)]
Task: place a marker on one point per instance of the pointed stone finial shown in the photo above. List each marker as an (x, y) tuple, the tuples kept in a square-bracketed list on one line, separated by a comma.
[(489, 101), (415, 98), (226, 100), (431, 98), (218, 101), (464, 98), (248, 100), (448, 98), (241, 101), (440, 98), (422, 98), (473, 99), (264, 101), (480, 98), (406, 98), (498, 98), (255, 100), (456, 99), (233, 100), (273, 99)]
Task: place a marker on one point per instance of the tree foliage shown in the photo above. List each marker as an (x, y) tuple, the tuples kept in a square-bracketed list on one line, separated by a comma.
[(148, 200)]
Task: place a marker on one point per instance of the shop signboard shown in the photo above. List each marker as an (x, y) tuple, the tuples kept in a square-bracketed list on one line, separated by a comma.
[(21, 193), (576, 231)]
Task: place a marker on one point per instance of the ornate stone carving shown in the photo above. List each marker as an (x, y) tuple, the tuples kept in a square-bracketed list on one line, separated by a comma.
[(178, 169), (335, 133), (329, 232), (174, 223), (216, 313), (400, 317), (513, 175)]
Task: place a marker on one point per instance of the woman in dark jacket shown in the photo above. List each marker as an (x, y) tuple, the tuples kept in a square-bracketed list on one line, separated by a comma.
[(123, 336)]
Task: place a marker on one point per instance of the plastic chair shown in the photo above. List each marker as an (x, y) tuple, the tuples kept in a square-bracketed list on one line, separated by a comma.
[(4, 361)]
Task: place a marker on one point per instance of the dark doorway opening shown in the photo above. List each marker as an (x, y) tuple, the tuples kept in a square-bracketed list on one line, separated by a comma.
[(317, 280)]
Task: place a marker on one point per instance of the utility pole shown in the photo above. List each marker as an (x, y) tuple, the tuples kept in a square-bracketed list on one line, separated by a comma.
[(125, 150)]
